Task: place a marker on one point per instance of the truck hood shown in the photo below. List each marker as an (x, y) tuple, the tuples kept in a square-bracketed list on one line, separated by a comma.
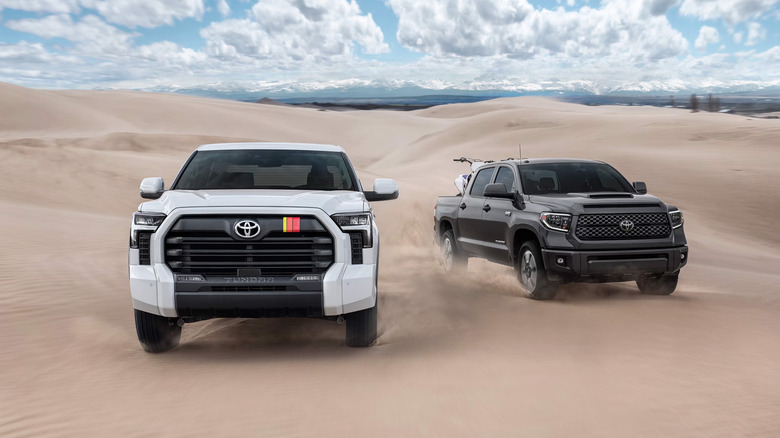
[(330, 202), (580, 202)]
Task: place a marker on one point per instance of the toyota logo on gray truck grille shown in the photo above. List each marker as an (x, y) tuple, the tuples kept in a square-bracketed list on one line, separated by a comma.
[(626, 225), (246, 229)]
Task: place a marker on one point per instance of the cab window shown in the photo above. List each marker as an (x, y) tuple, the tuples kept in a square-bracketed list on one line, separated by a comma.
[(480, 181), (506, 177)]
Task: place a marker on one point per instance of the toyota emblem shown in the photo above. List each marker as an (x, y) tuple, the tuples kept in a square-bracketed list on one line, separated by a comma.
[(247, 229), (626, 225)]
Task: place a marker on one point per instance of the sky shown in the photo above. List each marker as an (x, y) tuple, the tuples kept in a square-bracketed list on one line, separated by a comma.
[(436, 44)]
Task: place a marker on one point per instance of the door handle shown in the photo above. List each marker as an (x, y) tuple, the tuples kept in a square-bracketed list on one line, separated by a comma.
[(486, 207), (463, 206)]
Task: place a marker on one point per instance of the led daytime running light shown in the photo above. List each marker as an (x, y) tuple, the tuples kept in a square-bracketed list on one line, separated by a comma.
[(556, 221), (356, 222)]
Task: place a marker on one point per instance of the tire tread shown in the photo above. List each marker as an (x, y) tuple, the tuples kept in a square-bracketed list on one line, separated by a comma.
[(362, 327), (156, 333)]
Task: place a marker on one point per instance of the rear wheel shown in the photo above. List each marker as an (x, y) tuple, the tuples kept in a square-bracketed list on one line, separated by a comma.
[(156, 333), (452, 258), (361, 327), (532, 275), (657, 284)]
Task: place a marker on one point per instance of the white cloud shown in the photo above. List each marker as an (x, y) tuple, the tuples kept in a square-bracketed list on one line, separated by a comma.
[(653, 7), (223, 7), (296, 30), (756, 33), (24, 52), (91, 35), (55, 6), (611, 45), (731, 11), (771, 55), (170, 54), (146, 13), (130, 13), (513, 28), (707, 35)]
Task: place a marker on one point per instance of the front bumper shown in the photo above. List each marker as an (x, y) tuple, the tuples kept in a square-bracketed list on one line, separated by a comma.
[(613, 265), (343, 288)]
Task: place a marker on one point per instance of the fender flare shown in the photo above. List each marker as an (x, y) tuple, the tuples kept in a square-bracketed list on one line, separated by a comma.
[(527, 228)]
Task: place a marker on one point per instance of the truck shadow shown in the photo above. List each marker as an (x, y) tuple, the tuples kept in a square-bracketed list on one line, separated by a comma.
[(419, 321), (267, 339), (583, 292)]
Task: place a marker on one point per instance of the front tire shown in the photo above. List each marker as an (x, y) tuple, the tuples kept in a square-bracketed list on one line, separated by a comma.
[(657, 284), (361, 327), (156, 333), (452, 257), (532, 275)]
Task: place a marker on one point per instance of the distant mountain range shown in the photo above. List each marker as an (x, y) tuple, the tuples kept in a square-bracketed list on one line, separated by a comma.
[(396, 89)]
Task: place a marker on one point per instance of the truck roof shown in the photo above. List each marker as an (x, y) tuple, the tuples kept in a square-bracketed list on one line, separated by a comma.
[(547, 161), (271, 146)]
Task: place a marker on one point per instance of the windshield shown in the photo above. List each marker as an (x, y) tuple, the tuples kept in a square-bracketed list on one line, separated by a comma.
[(266, 169), (557, 178)]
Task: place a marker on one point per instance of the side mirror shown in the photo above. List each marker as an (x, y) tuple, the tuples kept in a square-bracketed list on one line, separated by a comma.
[(384, 190), (152, 188), (497, 190), (640, 187)]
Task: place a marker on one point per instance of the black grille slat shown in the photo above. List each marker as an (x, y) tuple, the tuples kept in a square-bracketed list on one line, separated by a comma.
[(218, 240), (144, 247), (607, 226), (249, 263), (248, 288), (257, 251), (356, 244), (216, 253)]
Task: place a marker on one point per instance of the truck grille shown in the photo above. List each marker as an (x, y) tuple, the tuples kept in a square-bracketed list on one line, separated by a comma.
[(215, 252), (607, 226)]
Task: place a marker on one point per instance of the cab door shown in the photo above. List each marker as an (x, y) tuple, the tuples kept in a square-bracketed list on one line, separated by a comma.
[(496, 215), (471, 237)]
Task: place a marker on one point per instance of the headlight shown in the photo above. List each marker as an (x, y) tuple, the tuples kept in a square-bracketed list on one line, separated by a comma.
[(148, 219), (144, 222), (356, 222), (677, 219), (556, 221)]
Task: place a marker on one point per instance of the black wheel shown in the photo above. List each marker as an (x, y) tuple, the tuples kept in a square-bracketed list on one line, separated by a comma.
[(361, 327), (657, 284), (156, 333), (453, 259), (532, 275)]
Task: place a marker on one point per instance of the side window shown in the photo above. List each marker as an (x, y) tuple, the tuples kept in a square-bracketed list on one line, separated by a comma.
[(480, 181), (506, 177)]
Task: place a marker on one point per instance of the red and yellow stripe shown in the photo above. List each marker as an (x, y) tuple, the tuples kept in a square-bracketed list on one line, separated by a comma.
[(291, 224)]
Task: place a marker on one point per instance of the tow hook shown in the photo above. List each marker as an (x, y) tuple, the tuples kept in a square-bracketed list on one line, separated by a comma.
[(340, 320)]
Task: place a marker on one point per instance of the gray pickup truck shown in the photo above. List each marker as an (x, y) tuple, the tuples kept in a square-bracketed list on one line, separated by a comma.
[(562, 220)]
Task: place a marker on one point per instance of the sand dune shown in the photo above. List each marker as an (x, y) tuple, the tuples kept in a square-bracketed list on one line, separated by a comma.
[(457, 356)]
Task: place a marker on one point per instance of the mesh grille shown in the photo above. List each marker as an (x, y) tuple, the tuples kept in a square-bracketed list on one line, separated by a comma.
[(608, 226)]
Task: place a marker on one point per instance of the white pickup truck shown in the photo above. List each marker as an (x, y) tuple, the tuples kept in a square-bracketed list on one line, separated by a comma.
[(255, 230)]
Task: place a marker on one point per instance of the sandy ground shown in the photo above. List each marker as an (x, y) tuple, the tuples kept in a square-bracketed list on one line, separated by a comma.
[(457, 356)]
